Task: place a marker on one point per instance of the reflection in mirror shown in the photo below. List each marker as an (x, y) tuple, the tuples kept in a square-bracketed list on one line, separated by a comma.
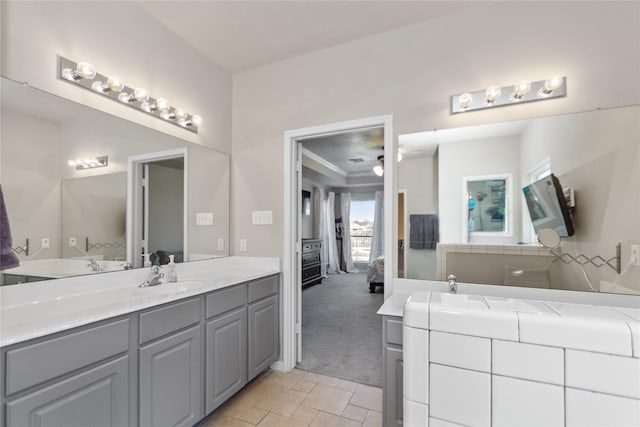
[(595, 156), (71, 214)]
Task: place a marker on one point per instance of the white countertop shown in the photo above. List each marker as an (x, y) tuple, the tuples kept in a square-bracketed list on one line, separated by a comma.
[(36, 309)]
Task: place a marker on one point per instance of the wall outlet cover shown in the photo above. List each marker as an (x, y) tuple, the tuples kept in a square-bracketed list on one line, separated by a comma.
[(634, 258), (72, 242), (243, 245), (45, 243), (221, 244)]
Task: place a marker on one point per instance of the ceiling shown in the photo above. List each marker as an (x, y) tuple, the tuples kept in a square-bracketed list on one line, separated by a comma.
[(239, 35)]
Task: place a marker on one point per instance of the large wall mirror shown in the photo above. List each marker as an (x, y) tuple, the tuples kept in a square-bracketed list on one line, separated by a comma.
[(66, 219), (596, 154)]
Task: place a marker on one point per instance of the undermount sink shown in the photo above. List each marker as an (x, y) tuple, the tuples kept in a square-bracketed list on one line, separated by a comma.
[(459, 301)]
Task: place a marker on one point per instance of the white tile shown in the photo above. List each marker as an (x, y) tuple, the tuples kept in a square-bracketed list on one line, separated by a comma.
[(414, 414), (589, 409), (512, 249), (603, 372), (469, 315), (479, 249), (461, 351), (585, 310), (529, 250), (635, 337), (519, 305), (460, 396), (463, 249), (415, 364), (528, 361), (634, 313), (434, 422), (416, 310), (580, 333), (495, 249), (525, 403)]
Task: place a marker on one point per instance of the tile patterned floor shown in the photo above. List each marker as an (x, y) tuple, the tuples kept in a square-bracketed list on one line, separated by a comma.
[(300, 399)]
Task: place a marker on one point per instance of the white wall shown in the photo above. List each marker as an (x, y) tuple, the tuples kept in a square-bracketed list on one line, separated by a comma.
[(412, 72), (419, 177), (598, 155), (457, 160), (121, 39), (31, 180)]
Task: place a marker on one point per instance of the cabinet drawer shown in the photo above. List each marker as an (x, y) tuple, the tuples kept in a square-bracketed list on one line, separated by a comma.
[(263, 288), (393, 331), (310, 273), (226, 300), (311, 247), (310, 258), (36, 363), (164, 320)]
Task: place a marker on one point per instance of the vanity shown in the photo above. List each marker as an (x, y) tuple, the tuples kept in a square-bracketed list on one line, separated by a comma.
[(99, 350)]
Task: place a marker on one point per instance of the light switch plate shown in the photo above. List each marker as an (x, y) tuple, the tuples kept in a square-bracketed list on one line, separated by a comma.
[(262, 217), (204, 218)]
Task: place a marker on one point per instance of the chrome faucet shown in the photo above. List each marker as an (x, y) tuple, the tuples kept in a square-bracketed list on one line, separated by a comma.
[(154, 277), (453, 286), (94, 265)]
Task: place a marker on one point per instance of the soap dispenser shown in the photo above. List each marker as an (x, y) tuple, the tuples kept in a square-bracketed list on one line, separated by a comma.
[(172, 275), (147, 261)]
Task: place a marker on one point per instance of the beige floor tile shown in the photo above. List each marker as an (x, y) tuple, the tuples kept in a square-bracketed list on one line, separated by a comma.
[(304, 414), (354, 413), (304, 386), (368, 397), (275, 420), (346, 385), (328, 399), (374, 419), (284, 379), (254, 415), (320, 379), (327, 420), (283, 403), (219, 420)]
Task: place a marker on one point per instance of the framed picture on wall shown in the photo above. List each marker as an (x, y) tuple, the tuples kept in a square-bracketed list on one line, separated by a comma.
[(306, 202)]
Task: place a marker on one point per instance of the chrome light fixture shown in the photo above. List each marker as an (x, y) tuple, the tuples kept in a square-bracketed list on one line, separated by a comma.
[(83, 74), (89, 163), (494, 96)]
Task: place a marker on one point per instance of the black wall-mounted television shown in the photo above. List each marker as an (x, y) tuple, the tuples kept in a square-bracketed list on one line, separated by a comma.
[(548, 207)]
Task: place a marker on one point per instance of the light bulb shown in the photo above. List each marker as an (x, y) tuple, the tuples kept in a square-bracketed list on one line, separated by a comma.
[(492, 93), (464, 100), (98, 86), (197, 120), (68, 74), (167, 115), (125, 97), (180, 114), (550, 85), (140, 95), (162, 104), (378, 170), (85, 70), (115, 84), (146, 107), (520, 90)]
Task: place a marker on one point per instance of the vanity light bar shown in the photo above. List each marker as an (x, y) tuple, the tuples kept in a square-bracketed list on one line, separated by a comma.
[(96, 162), (84, 75), (495, 96)]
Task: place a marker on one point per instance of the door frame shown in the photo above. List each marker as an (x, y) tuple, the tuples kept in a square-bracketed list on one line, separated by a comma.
[(292, 244), (135, 166)]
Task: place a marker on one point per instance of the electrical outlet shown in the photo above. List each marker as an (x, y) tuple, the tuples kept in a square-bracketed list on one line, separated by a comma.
[(72, 242), (635, 255), (221, 244), (243, 245), (45, 243)]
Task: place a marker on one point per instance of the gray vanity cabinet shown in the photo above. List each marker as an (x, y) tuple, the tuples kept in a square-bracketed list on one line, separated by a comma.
[(264, 330), (97, 397), (226, 364), (392, 371)]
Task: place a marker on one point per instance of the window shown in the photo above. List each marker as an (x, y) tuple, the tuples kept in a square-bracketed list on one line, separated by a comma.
[(361, 227)]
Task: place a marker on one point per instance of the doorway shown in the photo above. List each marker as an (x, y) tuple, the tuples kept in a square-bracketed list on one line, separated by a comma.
[(292, 292), (157, 207)]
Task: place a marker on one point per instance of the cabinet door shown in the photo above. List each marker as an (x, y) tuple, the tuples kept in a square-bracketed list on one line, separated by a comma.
[(264, 342), (226, 357), (97, 397), (392, 411), (170, 380)]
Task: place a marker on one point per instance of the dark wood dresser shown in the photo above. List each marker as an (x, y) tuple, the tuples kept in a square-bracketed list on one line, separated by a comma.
[(311, 270)]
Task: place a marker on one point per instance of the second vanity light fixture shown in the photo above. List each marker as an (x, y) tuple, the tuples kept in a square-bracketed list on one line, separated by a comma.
[(84, 75), (495, 96)]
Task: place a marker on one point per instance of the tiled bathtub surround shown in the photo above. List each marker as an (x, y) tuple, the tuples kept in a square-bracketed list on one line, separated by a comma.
[(489, 361)]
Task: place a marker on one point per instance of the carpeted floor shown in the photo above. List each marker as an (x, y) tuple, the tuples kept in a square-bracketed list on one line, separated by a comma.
[(341, 332)]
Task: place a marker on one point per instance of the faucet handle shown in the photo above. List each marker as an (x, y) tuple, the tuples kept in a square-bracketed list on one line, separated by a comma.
[(451, 277)]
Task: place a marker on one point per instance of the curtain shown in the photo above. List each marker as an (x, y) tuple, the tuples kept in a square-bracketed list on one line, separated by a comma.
[(319, 228), (332, 244), (345, 211), (377, 242)]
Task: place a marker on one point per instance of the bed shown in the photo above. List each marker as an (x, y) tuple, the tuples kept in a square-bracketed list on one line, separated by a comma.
[(375, 274)]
